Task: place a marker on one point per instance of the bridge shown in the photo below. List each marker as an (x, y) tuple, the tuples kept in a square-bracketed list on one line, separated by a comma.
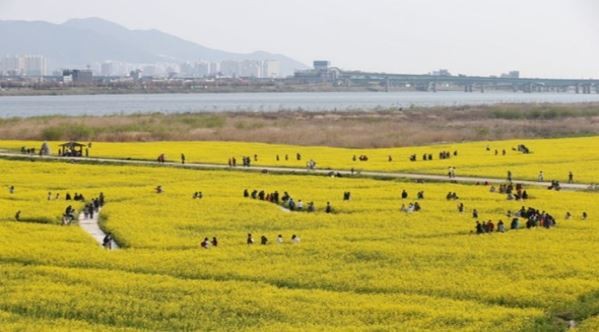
[(471, 83), (455, 82)]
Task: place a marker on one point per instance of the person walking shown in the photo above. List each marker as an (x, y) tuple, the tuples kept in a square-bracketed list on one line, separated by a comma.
[(107, 241), (570, 177)]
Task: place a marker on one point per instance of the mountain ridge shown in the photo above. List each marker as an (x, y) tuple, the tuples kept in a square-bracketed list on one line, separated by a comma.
[(82, 41)]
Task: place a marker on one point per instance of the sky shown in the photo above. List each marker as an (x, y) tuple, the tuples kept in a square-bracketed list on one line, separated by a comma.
[(541, 38)]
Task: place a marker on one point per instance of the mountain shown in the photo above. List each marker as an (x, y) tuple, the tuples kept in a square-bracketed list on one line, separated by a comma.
[(78, 42)]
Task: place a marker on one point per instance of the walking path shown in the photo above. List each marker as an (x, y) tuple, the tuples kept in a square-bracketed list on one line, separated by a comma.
[(91, 226), (286, 170)]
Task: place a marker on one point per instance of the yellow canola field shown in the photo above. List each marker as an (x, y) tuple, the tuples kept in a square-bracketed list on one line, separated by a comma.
[(366, 266), (555, 157)]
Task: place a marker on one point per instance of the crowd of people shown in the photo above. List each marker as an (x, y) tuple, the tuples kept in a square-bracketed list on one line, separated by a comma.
[(512, 192), (90, 208), (285, 200), (279, 240), (246, 161), (70, 213), (519, 148), (443, 155), (446, 155), (75, 197), (413, 206), (534, 218), (26, 150), (93, 206)]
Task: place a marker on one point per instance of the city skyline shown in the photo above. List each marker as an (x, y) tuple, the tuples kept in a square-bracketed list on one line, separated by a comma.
[(35, 65), (539, 38)]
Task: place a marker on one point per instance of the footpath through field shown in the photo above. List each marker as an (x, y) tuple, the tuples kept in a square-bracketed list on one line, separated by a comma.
[(290, 170), (91, 226)]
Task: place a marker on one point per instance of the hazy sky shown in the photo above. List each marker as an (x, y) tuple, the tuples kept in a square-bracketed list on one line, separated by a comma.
[(541, 38)]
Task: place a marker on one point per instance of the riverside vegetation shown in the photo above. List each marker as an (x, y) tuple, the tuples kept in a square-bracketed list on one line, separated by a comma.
[(357, 129), (367, 265)]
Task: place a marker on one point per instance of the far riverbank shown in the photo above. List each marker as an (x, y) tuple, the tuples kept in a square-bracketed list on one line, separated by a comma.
[(383, 127)]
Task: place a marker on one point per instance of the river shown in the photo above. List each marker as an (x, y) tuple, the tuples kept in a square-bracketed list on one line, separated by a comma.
[(27, 106)]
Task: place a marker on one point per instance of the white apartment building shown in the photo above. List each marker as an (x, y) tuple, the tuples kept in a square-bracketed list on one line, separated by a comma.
[(35, 65), (250, 68), (24, 65), (271, 69)]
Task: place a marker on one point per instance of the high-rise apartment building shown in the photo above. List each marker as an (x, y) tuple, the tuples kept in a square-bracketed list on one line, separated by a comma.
[(107, 69), (271, 69), (229, 68), (35, 65), (250, 68), (24, 65), (214, 69)]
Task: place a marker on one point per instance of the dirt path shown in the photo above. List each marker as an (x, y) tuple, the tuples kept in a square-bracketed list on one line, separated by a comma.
[(91, 226), (285, 170)]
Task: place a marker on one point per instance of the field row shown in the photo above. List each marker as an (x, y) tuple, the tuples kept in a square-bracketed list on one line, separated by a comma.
[(556, 158)]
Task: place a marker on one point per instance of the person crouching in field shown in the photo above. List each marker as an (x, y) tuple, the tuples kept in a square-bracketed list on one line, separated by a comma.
[(328, 208), (295, 239), (500, 226), (479, 228), (205, 244)]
